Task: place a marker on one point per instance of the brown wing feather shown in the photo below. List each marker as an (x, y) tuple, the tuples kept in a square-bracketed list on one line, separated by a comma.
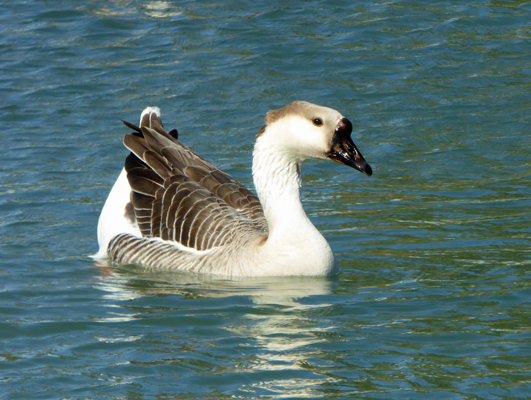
[(179, 196)]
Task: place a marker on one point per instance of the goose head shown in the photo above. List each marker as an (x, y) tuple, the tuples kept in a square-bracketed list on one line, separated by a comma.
[(304, 130)]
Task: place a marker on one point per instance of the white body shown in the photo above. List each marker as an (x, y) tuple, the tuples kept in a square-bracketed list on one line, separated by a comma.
[(113, 220), (293, 247)]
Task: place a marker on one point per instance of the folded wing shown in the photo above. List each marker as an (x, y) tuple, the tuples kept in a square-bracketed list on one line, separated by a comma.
[(178, 196)]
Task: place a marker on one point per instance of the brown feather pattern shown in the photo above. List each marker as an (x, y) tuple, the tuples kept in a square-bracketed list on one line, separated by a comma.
[(180, 197)]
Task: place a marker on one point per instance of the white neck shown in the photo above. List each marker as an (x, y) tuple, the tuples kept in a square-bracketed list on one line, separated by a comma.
[(293, 239), (277, 180)]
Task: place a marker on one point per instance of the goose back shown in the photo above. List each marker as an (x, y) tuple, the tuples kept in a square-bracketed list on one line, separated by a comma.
[(182, 199)]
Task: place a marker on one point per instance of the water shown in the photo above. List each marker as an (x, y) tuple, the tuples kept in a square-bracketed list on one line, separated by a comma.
[(434, 295)]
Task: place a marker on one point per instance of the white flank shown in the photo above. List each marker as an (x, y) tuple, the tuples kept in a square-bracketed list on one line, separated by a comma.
[(113, 219)]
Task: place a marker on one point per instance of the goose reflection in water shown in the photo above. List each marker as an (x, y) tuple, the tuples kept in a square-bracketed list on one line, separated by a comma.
[(266, 326)]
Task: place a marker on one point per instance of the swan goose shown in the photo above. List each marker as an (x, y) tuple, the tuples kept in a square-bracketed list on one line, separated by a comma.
[(172, 210)]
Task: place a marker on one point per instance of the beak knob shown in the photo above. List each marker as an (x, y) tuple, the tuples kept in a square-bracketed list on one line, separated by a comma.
[(344, 127)]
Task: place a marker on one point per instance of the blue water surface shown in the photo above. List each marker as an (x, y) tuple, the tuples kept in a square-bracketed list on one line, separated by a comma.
[(434, 295)]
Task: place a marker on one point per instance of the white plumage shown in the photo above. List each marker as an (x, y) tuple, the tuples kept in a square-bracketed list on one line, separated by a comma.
[(170, 209)]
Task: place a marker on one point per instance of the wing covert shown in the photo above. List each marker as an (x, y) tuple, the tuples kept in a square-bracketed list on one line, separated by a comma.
[(178, 196)]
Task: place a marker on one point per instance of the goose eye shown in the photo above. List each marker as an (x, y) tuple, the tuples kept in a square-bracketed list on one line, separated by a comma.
[(317, 122)]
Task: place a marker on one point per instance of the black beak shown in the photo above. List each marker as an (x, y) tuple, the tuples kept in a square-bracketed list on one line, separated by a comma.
[(344, 151)]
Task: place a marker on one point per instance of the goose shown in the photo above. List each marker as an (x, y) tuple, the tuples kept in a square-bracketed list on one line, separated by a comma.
[(170, 209)]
